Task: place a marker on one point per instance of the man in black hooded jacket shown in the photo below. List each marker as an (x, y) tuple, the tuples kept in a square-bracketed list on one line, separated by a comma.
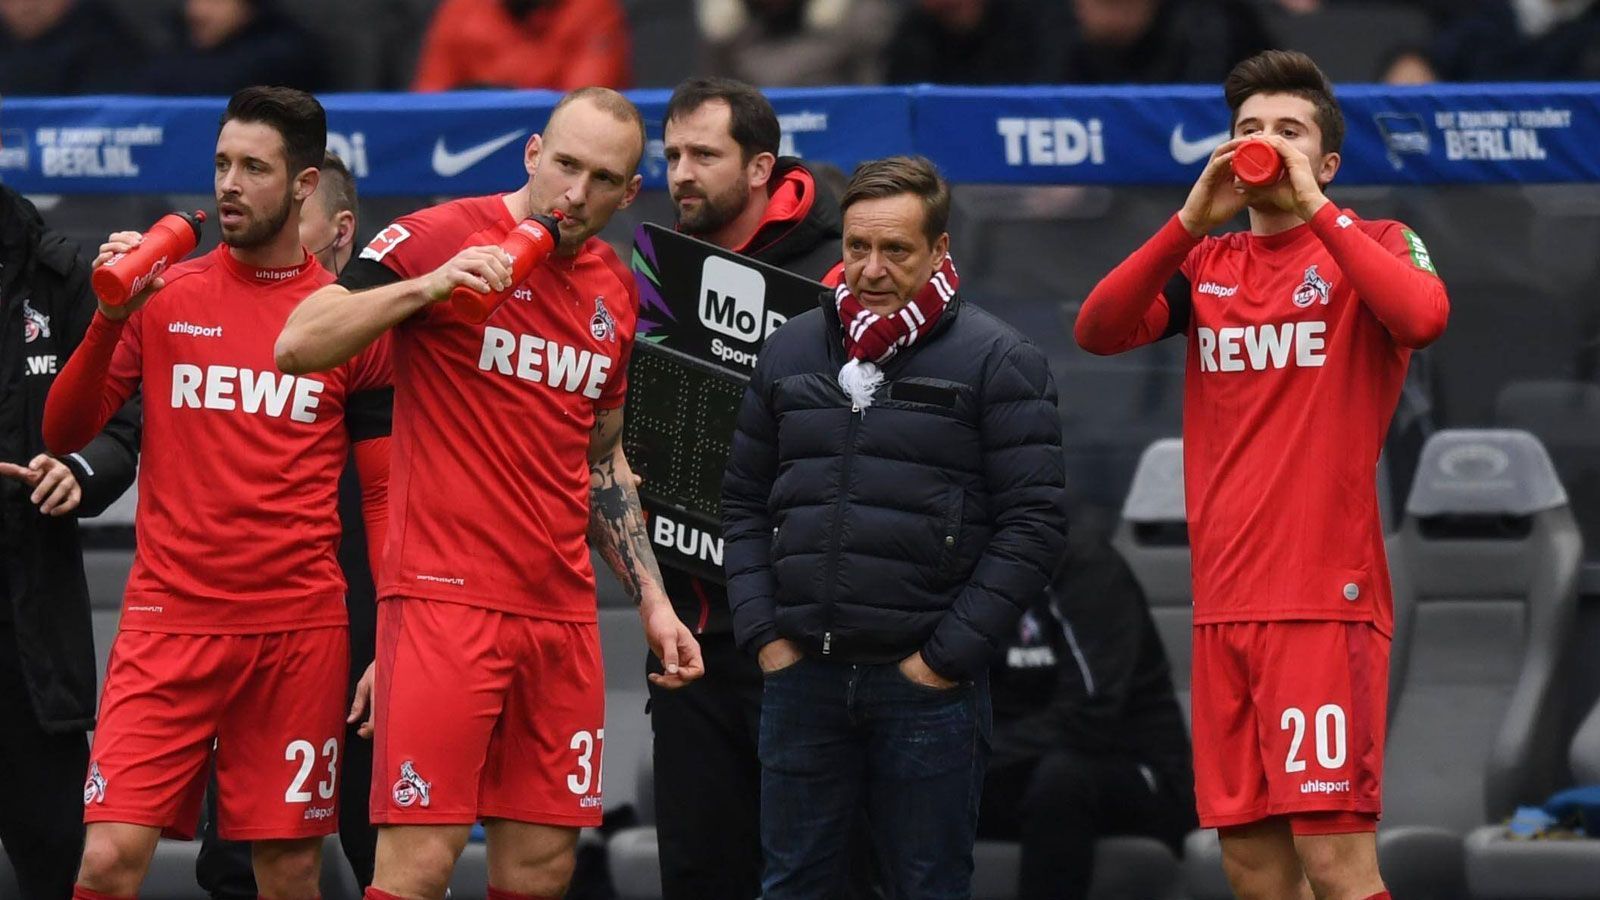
[(47, 662), (729, 187)]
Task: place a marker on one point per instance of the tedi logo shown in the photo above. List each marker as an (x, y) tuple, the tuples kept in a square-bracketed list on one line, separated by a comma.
[(1052, 142), (733, 301)]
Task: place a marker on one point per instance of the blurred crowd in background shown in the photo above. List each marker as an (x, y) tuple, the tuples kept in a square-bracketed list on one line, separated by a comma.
[(212, 47)]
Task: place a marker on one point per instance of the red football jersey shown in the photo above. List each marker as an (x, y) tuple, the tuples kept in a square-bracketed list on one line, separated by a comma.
[(489, 496), (1291, 381), (237, 522)]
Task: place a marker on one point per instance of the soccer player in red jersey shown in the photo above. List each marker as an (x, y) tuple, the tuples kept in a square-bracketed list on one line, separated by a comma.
[(1299, 335), (233, 632), (490, 693)]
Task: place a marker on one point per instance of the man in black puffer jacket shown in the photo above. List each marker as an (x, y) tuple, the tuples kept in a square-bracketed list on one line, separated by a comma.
[(894, 499), (47, 661)]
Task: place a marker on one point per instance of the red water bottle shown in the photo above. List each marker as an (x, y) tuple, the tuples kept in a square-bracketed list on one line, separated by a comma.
[(527, 244), (124, 275), (1257, 163)]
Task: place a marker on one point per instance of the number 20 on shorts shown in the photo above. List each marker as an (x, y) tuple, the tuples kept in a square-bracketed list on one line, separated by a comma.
[(1329, 742)]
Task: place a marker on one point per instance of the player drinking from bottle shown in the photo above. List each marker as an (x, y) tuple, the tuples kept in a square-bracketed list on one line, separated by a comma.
[(233, 629), (490, 691), (1299, 333)]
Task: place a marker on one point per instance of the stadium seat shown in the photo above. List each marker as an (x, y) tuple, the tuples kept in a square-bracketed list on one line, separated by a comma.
[(1153, 537), (1565, 417), (632, 854), (1499, 868), (1491, 556), (171, 875), (627, 727), (8, 880), (1125, 868)]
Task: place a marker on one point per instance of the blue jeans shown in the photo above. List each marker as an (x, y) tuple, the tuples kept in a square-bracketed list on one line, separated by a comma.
[(835, 737)]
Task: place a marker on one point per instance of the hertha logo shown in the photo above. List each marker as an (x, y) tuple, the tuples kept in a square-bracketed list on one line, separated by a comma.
[(94, 790), (35, 324), (601, 325), (411, 788), (1313, 288)]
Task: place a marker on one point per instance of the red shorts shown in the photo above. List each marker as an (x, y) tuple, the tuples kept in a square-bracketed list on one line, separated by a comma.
[(271, 705), (1288, 718), (485, 714)]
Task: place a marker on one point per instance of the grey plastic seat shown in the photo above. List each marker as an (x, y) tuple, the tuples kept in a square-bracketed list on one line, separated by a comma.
[(633, 854), (171, 875), (8, 880), (1499, 868), (1491, 555), (1125, 868), (1153, 537), (1565, 416)]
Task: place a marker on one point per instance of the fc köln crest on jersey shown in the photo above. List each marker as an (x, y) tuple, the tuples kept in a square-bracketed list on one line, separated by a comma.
[(94, 790), (35, 324), (411, 788), (601, 324), (1313, 288)]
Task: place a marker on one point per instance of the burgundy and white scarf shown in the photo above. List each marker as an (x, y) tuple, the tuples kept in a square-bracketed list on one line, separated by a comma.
[(870, 340)]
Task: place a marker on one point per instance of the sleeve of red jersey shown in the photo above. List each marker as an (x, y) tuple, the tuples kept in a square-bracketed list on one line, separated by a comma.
[(1131, 306), (1391, 271), (99, 377), (372, 469), (406, 248)]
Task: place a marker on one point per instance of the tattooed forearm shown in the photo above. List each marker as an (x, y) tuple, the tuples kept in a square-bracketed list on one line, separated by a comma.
[(617, 529)]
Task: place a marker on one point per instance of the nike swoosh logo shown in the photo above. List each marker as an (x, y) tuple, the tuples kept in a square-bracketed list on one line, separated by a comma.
[(1188, 152), (448, 165)]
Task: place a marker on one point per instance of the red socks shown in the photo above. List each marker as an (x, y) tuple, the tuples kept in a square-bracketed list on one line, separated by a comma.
[(79, 892), (375, 894), (1382, 896), (260, 897), (499, 894)]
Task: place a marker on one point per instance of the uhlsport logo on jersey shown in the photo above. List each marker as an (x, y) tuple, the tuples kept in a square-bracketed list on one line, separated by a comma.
[(601, 325), (411, 789), (1216, 290), (1317, 786), (35, 324), (1313, 288), (94, 790)]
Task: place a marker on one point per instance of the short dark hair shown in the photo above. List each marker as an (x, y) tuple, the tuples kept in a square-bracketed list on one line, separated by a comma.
[(337, 182), (1287, 72), (296, 115), (752, 121), (896, 175), (620, 108)]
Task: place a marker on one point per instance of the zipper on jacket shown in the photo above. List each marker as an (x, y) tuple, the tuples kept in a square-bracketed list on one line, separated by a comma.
[(838, 519)]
